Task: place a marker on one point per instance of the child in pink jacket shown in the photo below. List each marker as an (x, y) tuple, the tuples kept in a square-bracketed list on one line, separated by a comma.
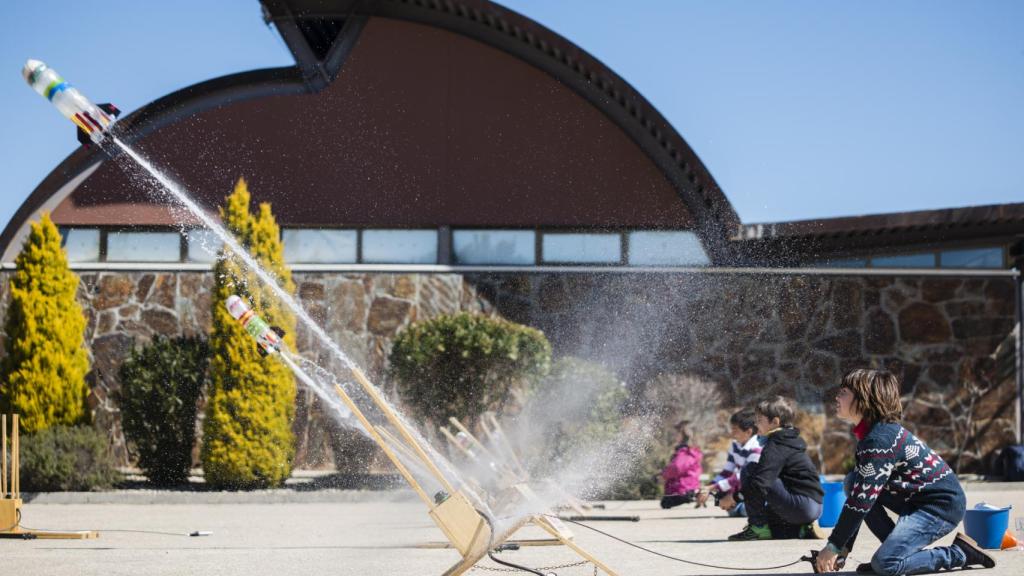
[(682, 475)]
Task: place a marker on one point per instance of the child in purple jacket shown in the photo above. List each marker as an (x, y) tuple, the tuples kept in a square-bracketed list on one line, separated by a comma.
[(682, 474)]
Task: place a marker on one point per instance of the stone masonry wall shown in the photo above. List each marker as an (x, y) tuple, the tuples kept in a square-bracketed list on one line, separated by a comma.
[(755, 335), (359, 311), (748, 336)]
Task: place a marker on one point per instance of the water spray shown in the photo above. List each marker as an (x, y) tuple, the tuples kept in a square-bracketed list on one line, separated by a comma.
[(463, 517)]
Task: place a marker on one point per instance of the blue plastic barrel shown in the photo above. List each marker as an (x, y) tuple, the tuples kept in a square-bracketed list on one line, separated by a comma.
[(987, 525), (832, 504)]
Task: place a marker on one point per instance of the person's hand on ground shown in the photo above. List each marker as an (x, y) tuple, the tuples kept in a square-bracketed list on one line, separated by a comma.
[(727, 502), (702, 498), (826, 560)]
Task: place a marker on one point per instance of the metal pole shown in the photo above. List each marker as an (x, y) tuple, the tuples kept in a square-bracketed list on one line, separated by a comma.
[(1019, 282)]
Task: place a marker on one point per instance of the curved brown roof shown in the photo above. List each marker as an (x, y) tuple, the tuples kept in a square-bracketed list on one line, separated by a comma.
[(416, 114)]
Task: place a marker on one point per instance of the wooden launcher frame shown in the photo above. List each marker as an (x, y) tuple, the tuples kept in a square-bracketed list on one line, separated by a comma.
[(10, 491), (469, 531)]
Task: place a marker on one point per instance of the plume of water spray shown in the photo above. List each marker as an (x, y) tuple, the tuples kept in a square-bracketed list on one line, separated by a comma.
[(270, 281)]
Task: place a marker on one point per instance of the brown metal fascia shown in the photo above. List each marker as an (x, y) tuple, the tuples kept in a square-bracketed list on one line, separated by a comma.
[(510, 32)]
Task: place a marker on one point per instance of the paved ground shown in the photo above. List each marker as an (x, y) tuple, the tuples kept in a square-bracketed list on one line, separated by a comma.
[(380, 537)]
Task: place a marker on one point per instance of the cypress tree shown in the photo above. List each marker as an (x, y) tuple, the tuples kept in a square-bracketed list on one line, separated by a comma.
[(42, 377), (247, 437)]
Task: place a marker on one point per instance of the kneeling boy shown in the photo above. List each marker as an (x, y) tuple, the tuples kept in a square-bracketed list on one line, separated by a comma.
[(782, 491), (896, 470)]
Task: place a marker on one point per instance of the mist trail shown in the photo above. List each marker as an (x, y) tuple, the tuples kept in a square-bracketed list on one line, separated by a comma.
[(271, 281)]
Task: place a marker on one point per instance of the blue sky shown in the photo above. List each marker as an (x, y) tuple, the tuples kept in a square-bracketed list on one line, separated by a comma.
[(800, 108)]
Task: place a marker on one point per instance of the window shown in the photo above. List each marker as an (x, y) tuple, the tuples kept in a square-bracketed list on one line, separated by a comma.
[(515, 247), (845, 263), (666, 248), (400, 246), (923, 260), (582, 248), (203, 245), (143, 247), (320, 246), (973, 258), (81, 244)]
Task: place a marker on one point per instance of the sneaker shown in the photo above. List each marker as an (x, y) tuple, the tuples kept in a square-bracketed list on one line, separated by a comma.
[(811, 532), (975, 555), (865, 568), (753, 532)]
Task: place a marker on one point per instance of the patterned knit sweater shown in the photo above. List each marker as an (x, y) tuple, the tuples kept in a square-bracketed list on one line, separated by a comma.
[(728, 479), (892, 459)]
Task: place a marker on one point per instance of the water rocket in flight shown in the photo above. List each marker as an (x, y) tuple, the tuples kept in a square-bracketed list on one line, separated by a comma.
[(267, 337), (93, 121)]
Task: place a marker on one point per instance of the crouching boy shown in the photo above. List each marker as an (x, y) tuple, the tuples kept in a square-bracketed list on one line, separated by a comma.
[(744, 450), (896, 470), (782, 491)]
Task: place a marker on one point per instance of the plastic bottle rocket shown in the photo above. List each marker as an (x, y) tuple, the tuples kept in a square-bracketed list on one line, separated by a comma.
[(93, 120), (267, 337)]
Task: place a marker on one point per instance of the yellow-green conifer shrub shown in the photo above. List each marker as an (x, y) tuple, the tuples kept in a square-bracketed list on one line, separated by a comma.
[(247, 436), (42, 377)]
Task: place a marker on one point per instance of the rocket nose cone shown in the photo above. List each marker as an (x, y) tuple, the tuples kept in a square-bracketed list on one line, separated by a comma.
[(236, 307), (30, 67)]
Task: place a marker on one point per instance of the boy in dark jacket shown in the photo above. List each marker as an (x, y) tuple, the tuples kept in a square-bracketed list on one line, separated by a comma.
[(896, 471), (782, 491)]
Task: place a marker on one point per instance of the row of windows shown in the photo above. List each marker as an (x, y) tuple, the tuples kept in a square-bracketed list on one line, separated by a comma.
[(991, 257), (349, 246)]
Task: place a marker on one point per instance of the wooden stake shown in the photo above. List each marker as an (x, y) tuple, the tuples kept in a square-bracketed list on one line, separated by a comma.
[(384, 446), (3, 448), (472, 439), (542, 521), (504, 441), (16, 457), (455, 442), (403, 431)]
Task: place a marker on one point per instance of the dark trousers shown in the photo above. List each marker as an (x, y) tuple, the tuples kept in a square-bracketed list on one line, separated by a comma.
[(779, 506), (673, 500)]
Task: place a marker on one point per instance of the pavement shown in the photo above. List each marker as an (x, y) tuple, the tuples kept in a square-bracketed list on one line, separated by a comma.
[(384, 533)]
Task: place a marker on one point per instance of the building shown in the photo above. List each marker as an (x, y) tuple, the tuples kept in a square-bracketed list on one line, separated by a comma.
[(425, 156)]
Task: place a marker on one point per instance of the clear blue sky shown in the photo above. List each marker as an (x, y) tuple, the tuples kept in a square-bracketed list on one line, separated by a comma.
[(800, 108)]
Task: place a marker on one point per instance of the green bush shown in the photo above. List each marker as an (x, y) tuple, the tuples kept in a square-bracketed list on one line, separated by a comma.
[(67, 459), (576, 407), (160, 386), (42, 376), (247, 435), (463, 364)]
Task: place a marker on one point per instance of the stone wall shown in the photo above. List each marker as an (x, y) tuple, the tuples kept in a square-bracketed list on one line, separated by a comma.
[(748, 336), (755, 335), (361, 312)]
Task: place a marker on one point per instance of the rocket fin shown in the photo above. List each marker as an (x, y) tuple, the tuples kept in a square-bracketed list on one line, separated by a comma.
[(260, 349), (110, 109), (83, 137), (278, 330)]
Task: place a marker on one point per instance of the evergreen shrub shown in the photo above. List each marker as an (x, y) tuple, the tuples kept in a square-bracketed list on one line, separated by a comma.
[(42, 376), (161, 384), (67, 459), (463, 364), (247, 436)]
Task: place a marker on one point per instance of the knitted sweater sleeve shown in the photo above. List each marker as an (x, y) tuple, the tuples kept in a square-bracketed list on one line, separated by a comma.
[(875, 463)]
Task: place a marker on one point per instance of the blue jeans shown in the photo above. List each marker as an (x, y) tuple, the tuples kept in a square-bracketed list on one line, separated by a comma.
[(902, 550)]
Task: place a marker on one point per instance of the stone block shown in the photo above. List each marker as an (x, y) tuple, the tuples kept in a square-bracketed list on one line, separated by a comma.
[(387, 315), (112, 290), (922, 323), (879, 333)]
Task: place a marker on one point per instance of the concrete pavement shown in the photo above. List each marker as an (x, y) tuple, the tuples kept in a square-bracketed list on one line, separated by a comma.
[(378, 534)]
